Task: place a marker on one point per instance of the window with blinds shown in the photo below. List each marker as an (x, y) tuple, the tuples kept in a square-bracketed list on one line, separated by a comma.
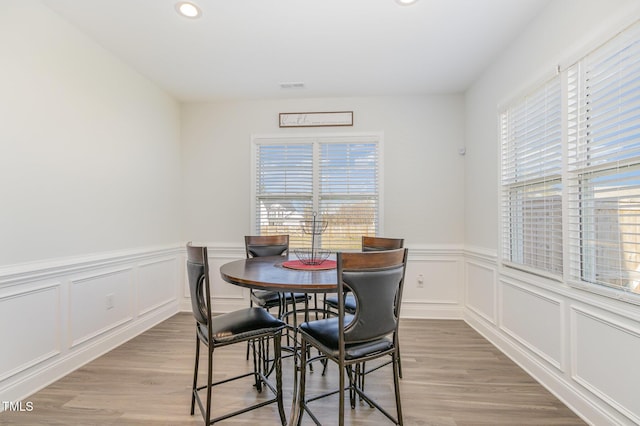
[(531, 178), (604, 164), (335, 177)]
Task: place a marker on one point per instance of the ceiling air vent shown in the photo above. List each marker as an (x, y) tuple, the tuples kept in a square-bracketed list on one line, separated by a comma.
[(292, 85)]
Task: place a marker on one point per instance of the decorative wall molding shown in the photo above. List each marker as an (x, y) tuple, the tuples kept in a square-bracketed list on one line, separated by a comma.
[(580, 317), (40, 307), (75, 323), (481, 254), (480, 293), (529, 332), (155, 290), (619, 356), (440, 298), (89, 316), (39, 270), (588, 329)]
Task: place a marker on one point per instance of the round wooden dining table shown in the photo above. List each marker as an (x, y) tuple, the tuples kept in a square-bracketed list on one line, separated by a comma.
[(269, 273)]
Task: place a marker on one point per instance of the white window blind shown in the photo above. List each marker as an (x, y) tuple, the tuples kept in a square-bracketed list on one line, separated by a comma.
[(348, 192), (336, 177), (604, 165), (284, 189), (531, 139)]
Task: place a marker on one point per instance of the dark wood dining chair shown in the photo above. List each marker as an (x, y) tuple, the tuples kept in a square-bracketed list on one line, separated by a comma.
[(371, 332), (368, 244), (271, 245), (331, 302), (245, 325)]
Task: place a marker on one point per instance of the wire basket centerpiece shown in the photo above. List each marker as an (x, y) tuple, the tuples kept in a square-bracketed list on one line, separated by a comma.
[(313, 255), (310, 256)]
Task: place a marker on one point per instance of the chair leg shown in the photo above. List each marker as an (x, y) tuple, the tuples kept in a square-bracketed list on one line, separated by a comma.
[(353, 377), (303, 380), (396, 384), (399, 357), (209, 384), (195, 376), (249, 342), (341, 368), (278, 360), (256, 363)]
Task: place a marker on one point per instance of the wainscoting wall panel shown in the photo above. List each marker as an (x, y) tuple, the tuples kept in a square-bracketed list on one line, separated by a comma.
[(440, 294), (58, 315), (579, 345), (33, 311), (99, 302), (480, 289), (534, 319), (605, 351), (156, 284)]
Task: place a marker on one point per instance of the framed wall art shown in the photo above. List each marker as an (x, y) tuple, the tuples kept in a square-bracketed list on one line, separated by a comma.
[(316, 119)]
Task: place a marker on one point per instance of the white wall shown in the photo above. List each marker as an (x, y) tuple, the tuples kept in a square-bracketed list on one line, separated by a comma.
[(422, 187), (423, 173), (89, 200), (89, 149), (575, 343), (97, 191)]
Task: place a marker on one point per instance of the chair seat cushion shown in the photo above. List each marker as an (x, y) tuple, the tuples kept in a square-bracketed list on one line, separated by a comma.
[(240, 325), (324, 333), (271, 299), (349, 303)]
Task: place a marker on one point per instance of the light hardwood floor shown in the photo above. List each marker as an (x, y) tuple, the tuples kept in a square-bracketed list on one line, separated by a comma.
[(452, 376)]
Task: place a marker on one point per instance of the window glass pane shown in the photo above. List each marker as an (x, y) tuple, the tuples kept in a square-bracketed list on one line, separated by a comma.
[(336, 179), (609, 218), (604, 162), (348, 193), (535, 226), (531, 135), (284, 184)]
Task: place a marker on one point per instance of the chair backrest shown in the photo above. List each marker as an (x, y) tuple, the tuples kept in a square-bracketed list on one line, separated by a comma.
[(199, 286), (376, 280), (266, 245), (381, 243)]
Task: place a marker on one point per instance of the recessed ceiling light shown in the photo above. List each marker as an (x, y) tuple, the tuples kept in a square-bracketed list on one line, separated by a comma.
[(188, 10), (405, 2)]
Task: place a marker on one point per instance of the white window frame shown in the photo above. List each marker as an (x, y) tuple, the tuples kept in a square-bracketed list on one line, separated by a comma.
[(317, 140), (530, 129), (596, 211), (599, 257)]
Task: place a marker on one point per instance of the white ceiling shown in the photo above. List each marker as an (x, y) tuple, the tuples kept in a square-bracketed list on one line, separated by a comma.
[(242, 49)]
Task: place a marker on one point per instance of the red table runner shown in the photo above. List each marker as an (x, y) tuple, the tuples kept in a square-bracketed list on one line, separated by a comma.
[(297, 264)]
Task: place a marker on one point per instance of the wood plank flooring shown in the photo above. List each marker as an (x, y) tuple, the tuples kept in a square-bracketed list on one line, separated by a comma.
[(452, 377)]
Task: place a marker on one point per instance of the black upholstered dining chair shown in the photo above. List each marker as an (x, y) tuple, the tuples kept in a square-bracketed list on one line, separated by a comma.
[(368, 244), (245, 325), (371, 332), (271, 245)]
